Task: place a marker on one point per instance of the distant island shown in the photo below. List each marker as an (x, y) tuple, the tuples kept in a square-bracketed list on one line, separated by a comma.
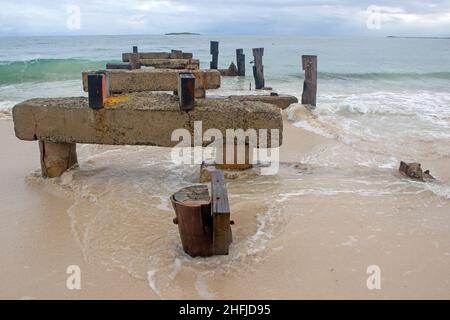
[(182, 34), (400, 37)]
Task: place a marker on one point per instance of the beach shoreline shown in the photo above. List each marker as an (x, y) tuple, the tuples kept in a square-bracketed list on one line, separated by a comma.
[(319, 247)]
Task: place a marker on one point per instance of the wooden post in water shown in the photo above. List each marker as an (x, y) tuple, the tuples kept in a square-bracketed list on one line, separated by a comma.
[(186, 90), (258, 68), (309, 95), (240, 61), (192, 207), (204, 221), (222, 235), (215, 54)]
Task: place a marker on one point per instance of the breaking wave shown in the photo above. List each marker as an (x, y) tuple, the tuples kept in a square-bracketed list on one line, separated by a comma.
[(383, 75), (41, 70)]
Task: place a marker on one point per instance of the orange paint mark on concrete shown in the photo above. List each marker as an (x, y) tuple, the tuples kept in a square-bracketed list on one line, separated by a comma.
[(114, 100)]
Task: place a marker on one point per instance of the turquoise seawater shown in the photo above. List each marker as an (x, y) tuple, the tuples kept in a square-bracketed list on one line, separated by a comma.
[(376, 88)]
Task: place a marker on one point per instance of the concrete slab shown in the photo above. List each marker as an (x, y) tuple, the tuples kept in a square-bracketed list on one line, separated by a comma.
[(156, 55), (126, 81), (281, 101), (191, 64), (136, 119)]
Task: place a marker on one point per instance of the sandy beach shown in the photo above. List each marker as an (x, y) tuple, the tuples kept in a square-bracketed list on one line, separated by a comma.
[(111, 217)]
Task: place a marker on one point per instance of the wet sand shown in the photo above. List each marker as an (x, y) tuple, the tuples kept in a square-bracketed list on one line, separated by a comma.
[(313, 246)]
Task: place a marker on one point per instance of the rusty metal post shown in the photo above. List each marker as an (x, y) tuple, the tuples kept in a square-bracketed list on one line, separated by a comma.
[(186, 90), (97, 90)]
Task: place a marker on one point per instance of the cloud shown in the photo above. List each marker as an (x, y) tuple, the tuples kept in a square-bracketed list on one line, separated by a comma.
[(307, 17)]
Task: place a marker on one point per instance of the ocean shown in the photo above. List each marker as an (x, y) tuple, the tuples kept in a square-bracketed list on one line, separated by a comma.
[(380, 101)]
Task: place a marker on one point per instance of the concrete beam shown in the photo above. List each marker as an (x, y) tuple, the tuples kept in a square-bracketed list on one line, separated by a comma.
[(136, 119), (125, 81), (281, 101), (191, 64), (157, 55)]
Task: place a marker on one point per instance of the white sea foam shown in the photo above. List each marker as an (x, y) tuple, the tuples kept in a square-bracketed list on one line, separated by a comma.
[(151, 278)]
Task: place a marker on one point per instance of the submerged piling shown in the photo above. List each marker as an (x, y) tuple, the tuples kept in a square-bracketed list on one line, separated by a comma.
[(215, 54), (258, 68), (240, 62), (309, 95)]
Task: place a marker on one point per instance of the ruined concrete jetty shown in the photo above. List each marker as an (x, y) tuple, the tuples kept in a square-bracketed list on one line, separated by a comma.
[(133, 119), (125, 81)]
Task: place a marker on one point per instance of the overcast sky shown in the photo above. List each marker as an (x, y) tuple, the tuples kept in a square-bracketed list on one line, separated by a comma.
[(274, 17)]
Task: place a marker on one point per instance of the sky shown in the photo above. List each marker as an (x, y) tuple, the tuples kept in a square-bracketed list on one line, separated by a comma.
[(226, 17)]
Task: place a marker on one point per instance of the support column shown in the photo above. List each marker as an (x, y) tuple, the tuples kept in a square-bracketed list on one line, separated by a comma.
[(309, 95), (240, 61), (215, 54), (258, 68), (241, 159), (56, 158)]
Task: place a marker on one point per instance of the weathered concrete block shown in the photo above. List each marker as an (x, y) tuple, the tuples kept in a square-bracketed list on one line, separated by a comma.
[(232, 71), (281, 101), (125, 81), (135, 119)]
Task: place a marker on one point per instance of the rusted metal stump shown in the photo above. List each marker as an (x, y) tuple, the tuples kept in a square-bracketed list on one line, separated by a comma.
[(309, 94), (97, 90), (186, 91), (258, 68), (204, 221)]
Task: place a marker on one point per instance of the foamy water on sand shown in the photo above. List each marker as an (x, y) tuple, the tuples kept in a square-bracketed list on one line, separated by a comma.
[(122, 217)]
